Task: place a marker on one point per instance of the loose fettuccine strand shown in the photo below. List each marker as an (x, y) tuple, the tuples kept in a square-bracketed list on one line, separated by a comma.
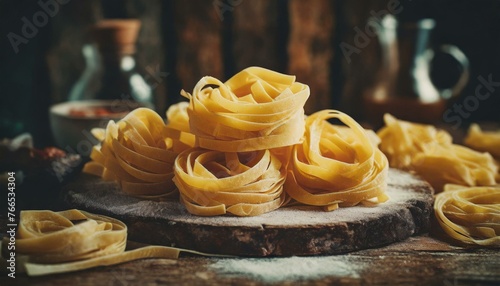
[(485, 141), (401, 140), (138, 152), (56, 242), (470, 214), (256, 109), (336, 166), (244, 184), (431, 153)]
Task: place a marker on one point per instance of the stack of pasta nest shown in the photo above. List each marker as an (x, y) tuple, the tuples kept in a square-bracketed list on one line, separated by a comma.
[(243, 147)]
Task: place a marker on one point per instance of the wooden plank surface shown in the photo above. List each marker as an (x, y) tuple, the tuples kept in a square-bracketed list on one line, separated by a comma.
[(361, 59), (310, 49), (422, 260), (257, 35), (199, 44)]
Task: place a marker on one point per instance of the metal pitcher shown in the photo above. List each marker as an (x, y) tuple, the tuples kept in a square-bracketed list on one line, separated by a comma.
[(403, 86)]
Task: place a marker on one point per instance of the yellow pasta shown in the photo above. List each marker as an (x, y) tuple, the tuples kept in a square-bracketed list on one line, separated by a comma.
[(336, 166), (244, 131), (455, 164), (470, 214), (177, 127), (401, 140), (431, 153), (138, 152), (56, 242), (256, 109), (244, 184), (486, 141), (177, 116)]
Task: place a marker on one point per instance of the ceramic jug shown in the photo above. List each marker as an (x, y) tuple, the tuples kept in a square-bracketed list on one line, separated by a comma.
[(403, 86)]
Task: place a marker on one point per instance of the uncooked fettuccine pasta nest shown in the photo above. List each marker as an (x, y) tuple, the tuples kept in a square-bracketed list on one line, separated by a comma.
[(244, 184), (470, 214), (337, 166), (256, 109), (138, 153)]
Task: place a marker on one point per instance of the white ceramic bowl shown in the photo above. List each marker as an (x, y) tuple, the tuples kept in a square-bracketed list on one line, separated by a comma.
[(72, 121)]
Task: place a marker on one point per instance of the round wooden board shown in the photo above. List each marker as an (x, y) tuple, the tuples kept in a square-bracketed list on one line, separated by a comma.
[(285, 232)]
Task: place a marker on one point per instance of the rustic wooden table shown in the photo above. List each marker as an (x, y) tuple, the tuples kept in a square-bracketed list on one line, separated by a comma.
[(429, 259), (422, 260)]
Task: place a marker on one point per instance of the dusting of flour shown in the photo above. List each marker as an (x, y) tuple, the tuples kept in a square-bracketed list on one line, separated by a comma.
[(290, 268)]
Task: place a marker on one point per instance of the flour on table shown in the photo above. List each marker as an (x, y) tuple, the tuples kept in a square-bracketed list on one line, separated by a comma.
[(290, 268)]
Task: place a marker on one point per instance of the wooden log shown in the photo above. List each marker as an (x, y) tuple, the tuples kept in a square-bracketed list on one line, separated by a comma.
[(310, 49), (199, 45), (284, 232)]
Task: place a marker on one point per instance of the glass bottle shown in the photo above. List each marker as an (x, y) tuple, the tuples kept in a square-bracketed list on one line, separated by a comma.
[(111, 70)]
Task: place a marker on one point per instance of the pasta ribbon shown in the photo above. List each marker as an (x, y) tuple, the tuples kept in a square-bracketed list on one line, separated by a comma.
[(470, 214), (178, 125), (244, 184), (337, 166), (138, 152), (485, 141), (401, 140), (431, 153), (177, 116), (50, 242), (256, 109)]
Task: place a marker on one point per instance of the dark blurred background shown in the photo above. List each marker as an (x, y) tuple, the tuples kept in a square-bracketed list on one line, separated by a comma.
[(190, 39)]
